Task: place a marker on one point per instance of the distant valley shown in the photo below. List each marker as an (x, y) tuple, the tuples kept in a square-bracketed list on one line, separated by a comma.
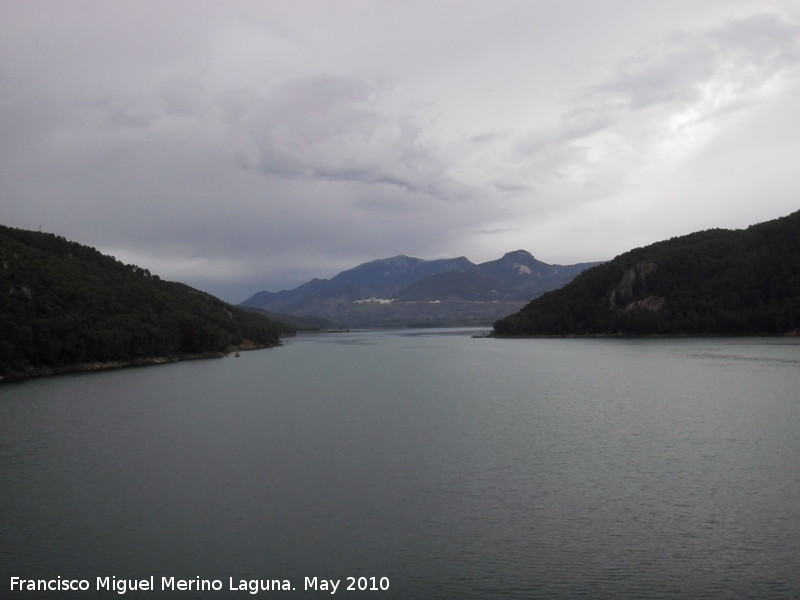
[(404, 291), (65, 307)]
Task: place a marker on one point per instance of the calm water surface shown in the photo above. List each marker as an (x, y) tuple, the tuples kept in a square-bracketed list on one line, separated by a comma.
[(454, 467)]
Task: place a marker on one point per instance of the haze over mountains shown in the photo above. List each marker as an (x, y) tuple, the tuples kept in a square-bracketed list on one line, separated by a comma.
[(409, 291)]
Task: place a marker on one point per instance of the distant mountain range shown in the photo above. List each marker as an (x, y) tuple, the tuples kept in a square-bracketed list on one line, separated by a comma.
[(713, 282), (408, 291)]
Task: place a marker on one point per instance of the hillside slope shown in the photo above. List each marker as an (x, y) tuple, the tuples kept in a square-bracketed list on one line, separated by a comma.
[(63, 305), (710, 282)]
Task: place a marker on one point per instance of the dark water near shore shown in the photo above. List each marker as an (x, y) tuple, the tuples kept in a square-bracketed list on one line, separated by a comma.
[(454, 467)]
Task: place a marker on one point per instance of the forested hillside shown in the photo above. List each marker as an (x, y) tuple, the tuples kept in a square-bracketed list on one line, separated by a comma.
[(63, 304), (711, 282)]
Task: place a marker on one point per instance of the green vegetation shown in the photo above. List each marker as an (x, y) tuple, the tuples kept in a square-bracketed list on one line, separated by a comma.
[(713, 282), (63, 305)]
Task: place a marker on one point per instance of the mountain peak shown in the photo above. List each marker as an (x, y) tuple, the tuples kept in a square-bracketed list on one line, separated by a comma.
[(518, 254)]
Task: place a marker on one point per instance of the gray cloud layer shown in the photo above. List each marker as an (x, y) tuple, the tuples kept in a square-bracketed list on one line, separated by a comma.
[(245, 145)]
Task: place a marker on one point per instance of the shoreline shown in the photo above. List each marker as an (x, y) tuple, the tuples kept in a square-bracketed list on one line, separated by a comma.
[(93, 367), (495, 335)]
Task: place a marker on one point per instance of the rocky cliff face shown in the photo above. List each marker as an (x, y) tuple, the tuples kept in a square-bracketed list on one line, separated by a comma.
[(629, 293)]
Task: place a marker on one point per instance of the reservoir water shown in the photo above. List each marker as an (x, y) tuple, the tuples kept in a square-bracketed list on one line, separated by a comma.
[(437, 464)]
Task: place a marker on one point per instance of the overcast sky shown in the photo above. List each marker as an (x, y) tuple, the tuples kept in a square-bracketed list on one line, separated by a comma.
[(254, 144)]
